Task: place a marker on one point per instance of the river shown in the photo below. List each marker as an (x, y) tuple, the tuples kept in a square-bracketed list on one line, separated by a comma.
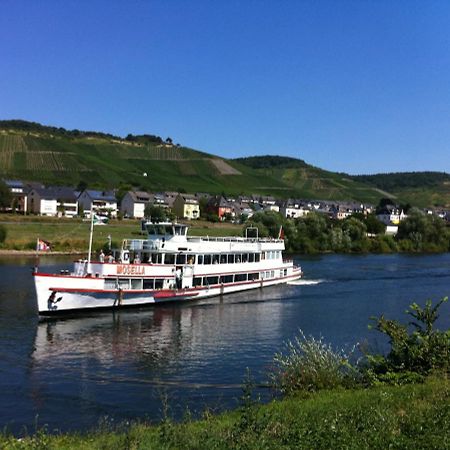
[(112, 367)]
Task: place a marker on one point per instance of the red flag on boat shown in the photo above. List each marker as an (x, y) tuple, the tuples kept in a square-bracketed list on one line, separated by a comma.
[(42, 246), (281, 233)]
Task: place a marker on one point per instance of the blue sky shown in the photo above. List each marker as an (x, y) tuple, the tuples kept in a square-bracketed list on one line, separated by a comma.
[(356, 86)]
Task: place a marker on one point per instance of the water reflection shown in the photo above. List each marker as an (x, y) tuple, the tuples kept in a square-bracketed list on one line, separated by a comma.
[(72, 372)]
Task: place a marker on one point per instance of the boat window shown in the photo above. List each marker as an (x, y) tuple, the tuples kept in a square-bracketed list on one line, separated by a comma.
[(181, 259), (168, 229), (190, 259), (159, 283), (200, 259), (197, 281), (159, 229), (151, 230), (223, 259), (240, 277), (180, 230), (210, 280), (216, 259), (207, 259), (124, 284), (257, 257), (155, 258), (253, 276), (251, 257), (244, 257), (230, 259), (110, 283), (226, 279), (237, 258), (148, 284), (272, 273), (136, 283), (169, 258)]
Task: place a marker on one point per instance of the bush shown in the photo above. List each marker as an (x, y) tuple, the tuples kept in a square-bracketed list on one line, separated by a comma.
[(310, 365), (420, 351)]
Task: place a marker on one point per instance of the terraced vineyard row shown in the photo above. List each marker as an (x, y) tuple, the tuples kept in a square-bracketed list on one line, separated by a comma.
[(53, 161), (9, 145)]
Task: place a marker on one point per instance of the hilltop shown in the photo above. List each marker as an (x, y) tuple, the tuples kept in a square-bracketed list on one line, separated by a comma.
[(53, 155)]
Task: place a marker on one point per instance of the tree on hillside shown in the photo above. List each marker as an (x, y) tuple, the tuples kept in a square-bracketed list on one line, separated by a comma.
[(5, 195)]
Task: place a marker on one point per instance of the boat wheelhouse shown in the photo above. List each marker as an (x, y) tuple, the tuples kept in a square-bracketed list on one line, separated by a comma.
[(169, 265)]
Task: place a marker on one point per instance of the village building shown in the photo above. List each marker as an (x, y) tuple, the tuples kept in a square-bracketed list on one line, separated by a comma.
[(391, 215), (58, 201), (19, 194), (219, 206), (103, 203), (133, 204), (292, 209), (186, 206)]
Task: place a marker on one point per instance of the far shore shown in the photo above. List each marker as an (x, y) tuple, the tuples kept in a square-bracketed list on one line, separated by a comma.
[(7, 252)]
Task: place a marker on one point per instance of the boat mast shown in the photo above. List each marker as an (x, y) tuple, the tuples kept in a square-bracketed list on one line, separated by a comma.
[(90, 239)]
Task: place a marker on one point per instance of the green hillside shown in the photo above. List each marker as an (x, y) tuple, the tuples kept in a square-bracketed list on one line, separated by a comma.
[(33, 152), (417, 188)]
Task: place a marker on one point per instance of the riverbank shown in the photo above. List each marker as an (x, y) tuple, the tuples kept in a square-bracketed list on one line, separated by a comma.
[(71, 236), (410, 416)]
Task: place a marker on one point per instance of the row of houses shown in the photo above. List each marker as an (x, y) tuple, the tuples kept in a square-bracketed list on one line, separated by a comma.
[(65, 201)]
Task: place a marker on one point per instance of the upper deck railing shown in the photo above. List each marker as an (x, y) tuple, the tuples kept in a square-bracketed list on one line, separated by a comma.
[(153, 244), (231, 239)]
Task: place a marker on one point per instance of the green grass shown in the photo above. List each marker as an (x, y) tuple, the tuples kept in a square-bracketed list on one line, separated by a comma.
[(411, 416), (73, 234)]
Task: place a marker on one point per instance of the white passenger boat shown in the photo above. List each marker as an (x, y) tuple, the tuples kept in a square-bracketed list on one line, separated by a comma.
[(167, 266)]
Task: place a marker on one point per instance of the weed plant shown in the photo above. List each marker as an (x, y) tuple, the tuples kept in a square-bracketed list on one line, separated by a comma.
[(310, 364)]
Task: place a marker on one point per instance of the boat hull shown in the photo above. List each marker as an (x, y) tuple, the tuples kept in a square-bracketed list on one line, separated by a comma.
[(59, 294)]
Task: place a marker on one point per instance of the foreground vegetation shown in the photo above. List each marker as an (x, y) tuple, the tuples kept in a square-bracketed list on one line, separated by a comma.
[(412, 416), (397, 400)]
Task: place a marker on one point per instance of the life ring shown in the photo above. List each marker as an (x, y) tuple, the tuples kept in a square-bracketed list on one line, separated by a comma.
[(126, 256)]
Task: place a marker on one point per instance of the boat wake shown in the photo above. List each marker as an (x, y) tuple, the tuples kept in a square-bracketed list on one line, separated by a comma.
[(305, 282)]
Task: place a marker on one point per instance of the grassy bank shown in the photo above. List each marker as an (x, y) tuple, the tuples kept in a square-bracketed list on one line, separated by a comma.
[(410, 416), (72, 235)]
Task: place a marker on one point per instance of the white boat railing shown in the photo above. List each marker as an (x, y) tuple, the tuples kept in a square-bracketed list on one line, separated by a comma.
[(150, 244)]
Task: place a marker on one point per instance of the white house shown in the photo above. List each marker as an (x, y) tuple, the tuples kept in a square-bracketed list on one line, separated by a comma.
[(292, 209), (133, 203), (101, 202), (391, 215), (53, 201)]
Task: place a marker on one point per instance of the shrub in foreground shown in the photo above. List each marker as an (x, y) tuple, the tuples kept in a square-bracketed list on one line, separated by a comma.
[(417, 348), (309, 364)]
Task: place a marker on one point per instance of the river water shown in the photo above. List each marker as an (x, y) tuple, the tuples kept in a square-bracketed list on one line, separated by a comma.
[(110, 367)]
